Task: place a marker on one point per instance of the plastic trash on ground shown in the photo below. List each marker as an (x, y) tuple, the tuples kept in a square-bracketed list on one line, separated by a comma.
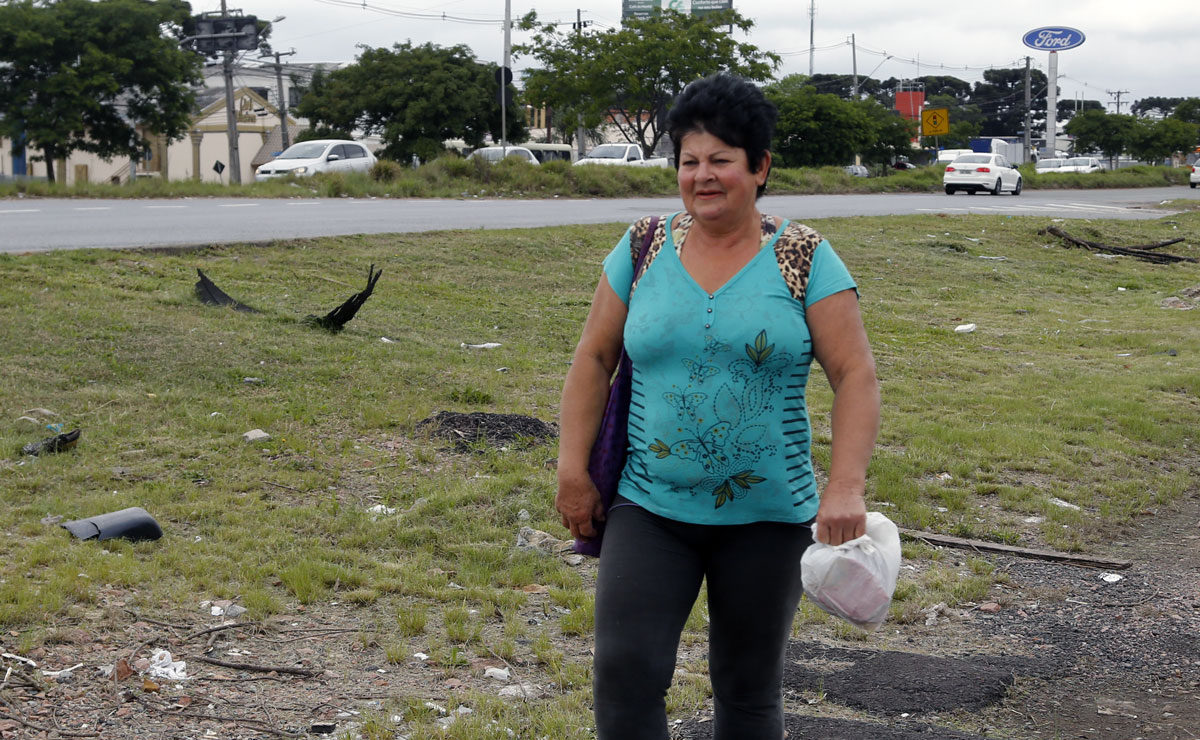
[(161, 666), (855, 580)]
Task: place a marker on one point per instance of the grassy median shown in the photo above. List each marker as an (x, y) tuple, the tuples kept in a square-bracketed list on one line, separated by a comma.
[(452, 177), (1070, 409)]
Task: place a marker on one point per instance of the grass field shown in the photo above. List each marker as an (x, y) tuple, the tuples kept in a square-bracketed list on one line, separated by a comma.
[(1078, 386), (452, 177)]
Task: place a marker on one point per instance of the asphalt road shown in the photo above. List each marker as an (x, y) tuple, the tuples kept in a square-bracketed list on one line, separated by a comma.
[(34, 225)]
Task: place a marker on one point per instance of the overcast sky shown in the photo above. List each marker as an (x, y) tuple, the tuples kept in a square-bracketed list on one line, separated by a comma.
[(1146, 48)]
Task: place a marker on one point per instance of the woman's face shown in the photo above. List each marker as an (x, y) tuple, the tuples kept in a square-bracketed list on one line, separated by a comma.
[(715, 181)]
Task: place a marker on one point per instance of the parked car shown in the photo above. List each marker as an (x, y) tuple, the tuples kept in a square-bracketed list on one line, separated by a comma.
[(318, 155), (497, 153), (1049, 166), (629, 155), (981, 172), (1194, 178), (1082, 164), (857, 170)]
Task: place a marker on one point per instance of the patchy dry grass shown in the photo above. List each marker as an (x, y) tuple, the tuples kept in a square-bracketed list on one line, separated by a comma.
[(1068, 390)]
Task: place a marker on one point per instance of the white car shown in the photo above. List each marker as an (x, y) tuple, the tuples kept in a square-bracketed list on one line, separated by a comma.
[(497, 153), (1049, 166), (1194, 178), (319, 155), (981, 172), (1082, 164)]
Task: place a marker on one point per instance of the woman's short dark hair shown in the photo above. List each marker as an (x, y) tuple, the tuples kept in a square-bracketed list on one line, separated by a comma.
[(731, 109)]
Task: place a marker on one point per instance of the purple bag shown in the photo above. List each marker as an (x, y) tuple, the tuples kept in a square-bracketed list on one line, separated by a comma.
[(607, 460)]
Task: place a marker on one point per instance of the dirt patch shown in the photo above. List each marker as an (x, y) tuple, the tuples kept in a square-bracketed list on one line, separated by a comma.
[(495, 430)]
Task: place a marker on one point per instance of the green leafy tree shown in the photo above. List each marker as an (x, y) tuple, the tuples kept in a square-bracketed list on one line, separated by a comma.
[(1154, 141), (1097, 131), (891, 134), (414, 97), (629, 75), (1188, 110), (1158, 105), (1068, 109), (77, 75), (1001, 99)]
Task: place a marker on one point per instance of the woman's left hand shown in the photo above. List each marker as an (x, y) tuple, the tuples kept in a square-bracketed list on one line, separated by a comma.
[(842, 515)]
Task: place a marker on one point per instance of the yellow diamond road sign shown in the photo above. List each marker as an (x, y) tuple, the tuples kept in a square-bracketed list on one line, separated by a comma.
[(935, 122)]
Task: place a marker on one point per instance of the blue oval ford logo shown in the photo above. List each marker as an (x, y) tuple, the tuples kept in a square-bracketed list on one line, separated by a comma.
[(1053, 38)]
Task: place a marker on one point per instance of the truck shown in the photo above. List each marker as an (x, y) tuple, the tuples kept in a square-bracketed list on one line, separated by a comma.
[(629, 155)]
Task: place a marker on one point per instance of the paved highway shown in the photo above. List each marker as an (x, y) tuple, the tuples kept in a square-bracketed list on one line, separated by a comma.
[(34, 225)]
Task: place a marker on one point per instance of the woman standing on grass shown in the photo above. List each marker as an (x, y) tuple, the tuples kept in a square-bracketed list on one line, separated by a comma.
[(722, 324)]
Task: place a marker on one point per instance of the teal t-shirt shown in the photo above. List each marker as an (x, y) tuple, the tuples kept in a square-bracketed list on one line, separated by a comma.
[(718, 428)]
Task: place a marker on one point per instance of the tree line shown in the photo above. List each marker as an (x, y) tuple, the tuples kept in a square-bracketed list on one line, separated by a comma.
[(100, 75)]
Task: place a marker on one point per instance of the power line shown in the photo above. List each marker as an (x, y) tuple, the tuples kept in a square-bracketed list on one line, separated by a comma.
[(363, 5)]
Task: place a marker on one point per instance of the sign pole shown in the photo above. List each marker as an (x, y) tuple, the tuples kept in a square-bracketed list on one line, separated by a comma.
[(1052, 106), (1052, 39)]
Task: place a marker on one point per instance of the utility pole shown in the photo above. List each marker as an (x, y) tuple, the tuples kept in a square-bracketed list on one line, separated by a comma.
[(854, 60), (282, 97), (812, 19), (579, 132), (504, 77), (235, 162), (1117, 94), (1028, 111)]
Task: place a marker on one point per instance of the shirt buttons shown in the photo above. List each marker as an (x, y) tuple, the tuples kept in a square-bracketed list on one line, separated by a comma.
[(710, 296), (710, 310), (708, 326)]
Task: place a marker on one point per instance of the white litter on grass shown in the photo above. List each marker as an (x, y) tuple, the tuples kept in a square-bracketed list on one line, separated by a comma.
[(1111, 577), (64, 673), (420, 656), (485, 345), (381, 509), (161, 666), (385, 340), (498, 674), (519, 691), (1120, 290), (964, 328), (1063, 504)]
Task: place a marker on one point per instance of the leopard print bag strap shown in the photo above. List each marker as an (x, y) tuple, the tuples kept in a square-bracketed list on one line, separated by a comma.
[(638, 237), (794, 251)]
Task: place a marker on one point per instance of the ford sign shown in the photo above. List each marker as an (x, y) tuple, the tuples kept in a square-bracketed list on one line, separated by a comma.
[(1058, 38)]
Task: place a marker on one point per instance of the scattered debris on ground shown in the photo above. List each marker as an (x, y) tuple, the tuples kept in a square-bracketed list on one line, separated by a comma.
[(336, 319), (496, 430), (1144, 252), (210, 295), (57, 443)]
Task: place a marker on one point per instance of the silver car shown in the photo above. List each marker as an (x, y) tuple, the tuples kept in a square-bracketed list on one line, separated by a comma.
[(981, 172), (320, 155)]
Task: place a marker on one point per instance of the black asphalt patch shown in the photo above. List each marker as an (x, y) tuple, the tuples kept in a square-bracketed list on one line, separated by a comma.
[(892, 683), (825, 728)]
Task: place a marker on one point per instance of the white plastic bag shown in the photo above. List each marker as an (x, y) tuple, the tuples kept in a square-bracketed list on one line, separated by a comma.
[(855, 580)]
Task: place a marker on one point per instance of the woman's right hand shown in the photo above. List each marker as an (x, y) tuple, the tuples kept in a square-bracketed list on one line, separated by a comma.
[(578, 502)]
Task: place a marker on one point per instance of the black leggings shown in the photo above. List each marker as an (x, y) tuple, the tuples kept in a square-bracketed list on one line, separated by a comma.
[(650, 574)]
